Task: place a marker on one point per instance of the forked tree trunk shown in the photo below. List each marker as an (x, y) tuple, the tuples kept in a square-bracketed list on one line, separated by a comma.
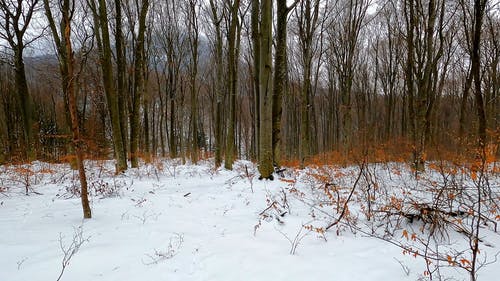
[(100, 15)]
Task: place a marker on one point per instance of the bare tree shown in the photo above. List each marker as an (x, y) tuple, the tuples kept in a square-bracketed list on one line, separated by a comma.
[(425, 39), (192, 10), (491, 78), (255, 35), (138, 12), (280, 73), (121, 65), (15, 18), (64, 48), (307, 15), (233, 41), (173, 45), (477, 23), (216, 18), (103, 38), (344, 38), (266, 89), (388, 58)]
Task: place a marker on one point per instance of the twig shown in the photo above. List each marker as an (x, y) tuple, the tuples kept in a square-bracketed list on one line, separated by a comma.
[(296, 240), (268, 208), (19, 263), (173, 247), (406, 269), (72, 249), (348, 199)]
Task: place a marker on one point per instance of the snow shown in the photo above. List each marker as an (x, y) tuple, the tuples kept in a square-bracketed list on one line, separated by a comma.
[(167, 221)]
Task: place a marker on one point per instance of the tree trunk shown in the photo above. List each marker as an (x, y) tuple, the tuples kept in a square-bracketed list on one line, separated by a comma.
[(67, 62), (216, 20), (121, 64), (233, 85), (256, 70), (280, 76), (265, 79), (105, 54), (139, 85), (25, 101), (479, 7), (307, 23), (193, 38)]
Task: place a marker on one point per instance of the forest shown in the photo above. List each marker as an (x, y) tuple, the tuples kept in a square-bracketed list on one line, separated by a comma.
[(226, 79), (339, 96)]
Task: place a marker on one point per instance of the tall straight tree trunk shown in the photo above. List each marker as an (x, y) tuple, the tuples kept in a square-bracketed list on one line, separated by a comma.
[(219, 97), (149, 147), (25, 101), (105, 54), (479, 7), (121, 64), (410, 27), (425, 94), (193, 38), (171, 89), (233, 85), (255, 33), (304, 113), (266, 90), (280, 76), (172, 142), (139, 85), (146, 117), (463, 105)]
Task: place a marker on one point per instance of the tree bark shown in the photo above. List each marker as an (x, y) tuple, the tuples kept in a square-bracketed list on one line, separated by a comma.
[(105, 54), (479, 7), (121, 64), (233, 85), (280, 76), (193, 38), (139, 84), (255, 34), (62, 39), (219, 96), (265, 79)]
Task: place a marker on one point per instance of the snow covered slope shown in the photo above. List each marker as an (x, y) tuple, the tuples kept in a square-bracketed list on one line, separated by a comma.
[(167, 221)]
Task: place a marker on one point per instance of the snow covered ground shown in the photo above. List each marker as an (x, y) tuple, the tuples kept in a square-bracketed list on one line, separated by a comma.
[(167, 221)]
